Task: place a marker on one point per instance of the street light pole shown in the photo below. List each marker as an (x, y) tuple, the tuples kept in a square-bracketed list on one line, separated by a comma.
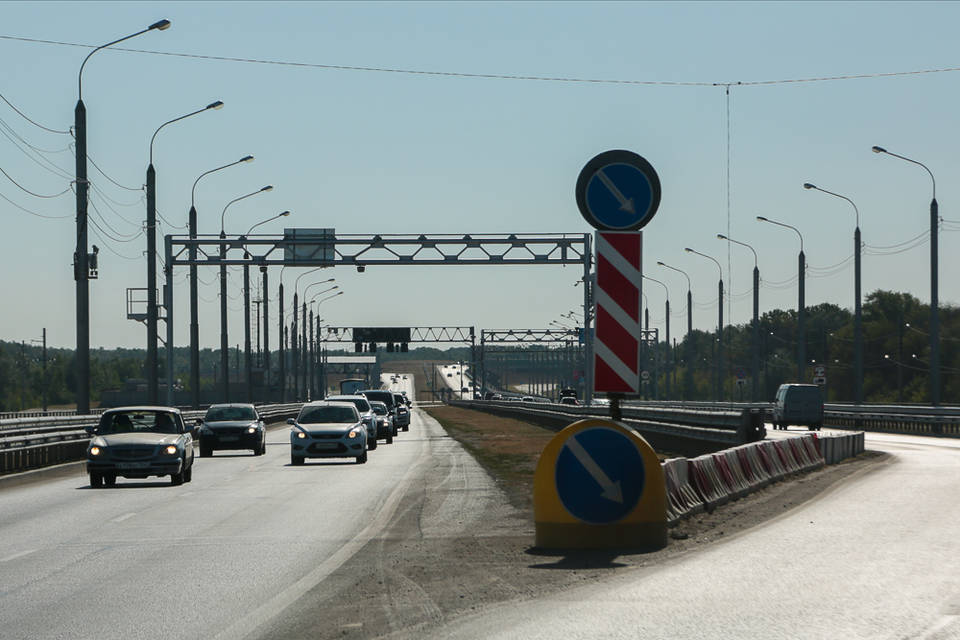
[(857, 316), (719, 362), (688, 353), (194, 309), (81, 259), (224, 346), (669, 362), (755, 347), (152, 373), (934, 281), (801, 303)]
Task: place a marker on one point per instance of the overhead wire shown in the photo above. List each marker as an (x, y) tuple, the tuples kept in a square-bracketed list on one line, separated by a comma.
[(28, 119), (34, 213), (25, 190), (494, 76)]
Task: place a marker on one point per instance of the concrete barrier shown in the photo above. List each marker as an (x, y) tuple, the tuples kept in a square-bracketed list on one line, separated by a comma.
[(707, 482)]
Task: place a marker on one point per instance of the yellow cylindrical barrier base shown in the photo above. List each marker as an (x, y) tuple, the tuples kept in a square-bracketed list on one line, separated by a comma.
[(632, 535)]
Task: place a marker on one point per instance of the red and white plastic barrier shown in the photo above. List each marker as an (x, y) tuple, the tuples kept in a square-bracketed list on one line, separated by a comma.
[(713, 479)]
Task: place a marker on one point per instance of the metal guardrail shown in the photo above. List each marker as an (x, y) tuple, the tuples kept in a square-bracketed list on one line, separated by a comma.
[(710, 427), (910, 419), (30, 443)]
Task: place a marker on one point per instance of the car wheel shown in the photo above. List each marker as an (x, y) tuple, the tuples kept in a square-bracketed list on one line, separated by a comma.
[(206, 452), (110, 480), (263, 448), (362, 459), (406, 427), (390, 439), (296, 460), (188, 474), (176, 479), (371, 444), (96, 480)]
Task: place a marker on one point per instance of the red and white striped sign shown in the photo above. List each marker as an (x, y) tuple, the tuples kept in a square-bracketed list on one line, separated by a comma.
[(617, 310)]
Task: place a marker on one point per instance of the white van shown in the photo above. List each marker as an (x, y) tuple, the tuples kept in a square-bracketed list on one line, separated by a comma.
[(799, 404)]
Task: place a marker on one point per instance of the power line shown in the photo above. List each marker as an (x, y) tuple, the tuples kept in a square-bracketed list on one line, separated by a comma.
[(24, 116), (490, 76), (25, 190), (34, 213)]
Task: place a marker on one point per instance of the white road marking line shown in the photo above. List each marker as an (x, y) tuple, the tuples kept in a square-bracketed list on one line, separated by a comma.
[(125, 516), (18, 555)]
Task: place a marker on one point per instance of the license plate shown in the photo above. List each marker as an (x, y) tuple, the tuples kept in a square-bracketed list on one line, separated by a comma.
[(326, 445), (229, 438), (133, 465)]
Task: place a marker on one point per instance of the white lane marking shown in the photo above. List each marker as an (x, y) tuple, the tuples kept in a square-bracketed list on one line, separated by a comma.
[(125, 516), (611, 490), (18, 555), (247, 626)]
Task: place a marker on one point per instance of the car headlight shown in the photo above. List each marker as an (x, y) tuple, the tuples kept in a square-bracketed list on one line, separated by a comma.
[(251, 429), (170, 450), (95, 451), (353, 433), (300, 434)]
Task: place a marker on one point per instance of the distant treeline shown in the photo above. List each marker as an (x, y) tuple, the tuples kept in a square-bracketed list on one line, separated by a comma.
[(896, 358)]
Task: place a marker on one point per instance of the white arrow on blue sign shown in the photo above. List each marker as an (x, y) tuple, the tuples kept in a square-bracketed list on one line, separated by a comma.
[(599, 475)]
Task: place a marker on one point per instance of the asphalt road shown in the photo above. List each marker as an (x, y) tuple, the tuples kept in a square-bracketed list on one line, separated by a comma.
[(215, 558), (877, 557)]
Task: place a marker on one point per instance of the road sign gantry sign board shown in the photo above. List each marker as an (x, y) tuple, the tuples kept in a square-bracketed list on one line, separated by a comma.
[(618, 191), (599, 485)]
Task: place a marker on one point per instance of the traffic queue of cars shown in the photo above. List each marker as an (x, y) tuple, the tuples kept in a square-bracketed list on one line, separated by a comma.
[(142, 442)]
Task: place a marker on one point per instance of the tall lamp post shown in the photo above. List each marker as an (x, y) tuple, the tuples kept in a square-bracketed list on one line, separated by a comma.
[(152, 374), (801, 302), (719, 363), (294, 337), (246, 307), (194, 310), (224, 346), (755, 347), (689, 355), (666, 307), (81, 259), (934, 281), (857, 318)]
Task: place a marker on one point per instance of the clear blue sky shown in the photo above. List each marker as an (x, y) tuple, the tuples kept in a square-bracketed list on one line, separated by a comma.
[(369, 152)]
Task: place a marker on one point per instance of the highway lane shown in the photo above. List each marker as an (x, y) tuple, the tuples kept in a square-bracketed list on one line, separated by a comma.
[(457, 377), (213, 558), (877, 557)]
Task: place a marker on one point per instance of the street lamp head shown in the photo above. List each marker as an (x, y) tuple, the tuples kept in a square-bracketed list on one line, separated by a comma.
[(877, 149), (284, 214), (807, 185), (162, 25), (720, 236), (215, 105), (688, 249), (762, 219), (246, 159), (269, 187), (660, 263)]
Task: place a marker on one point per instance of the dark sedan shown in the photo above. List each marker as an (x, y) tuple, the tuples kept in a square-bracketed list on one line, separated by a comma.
[(232, 426)]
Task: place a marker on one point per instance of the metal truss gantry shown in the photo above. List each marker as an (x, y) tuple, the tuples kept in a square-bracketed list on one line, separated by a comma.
[(361, 251)]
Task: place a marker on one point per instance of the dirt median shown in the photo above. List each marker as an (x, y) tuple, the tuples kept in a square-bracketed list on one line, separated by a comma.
[(462, 539)]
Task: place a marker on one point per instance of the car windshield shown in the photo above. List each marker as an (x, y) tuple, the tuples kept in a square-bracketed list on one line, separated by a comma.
[(327, 414), (359, 402), (385, 397), (379, 408), (137, 422), (223, 414)]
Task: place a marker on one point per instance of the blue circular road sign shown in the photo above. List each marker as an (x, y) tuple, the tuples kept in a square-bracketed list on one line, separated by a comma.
[(599, 475), (618, 191)]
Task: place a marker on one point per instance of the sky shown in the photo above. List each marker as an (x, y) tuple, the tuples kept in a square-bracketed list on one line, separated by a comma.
[(374, 152)]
